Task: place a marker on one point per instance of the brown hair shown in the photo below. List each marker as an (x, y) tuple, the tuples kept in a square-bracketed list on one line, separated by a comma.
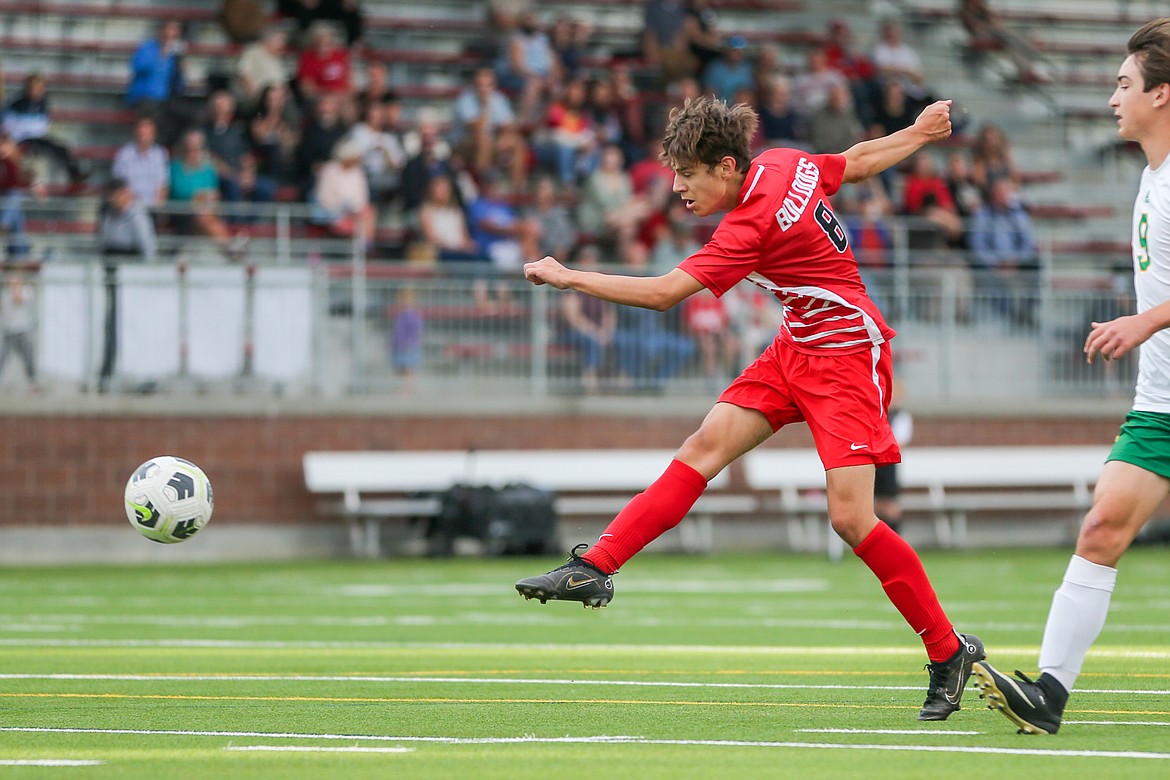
[(705, 130), (1150, 47)]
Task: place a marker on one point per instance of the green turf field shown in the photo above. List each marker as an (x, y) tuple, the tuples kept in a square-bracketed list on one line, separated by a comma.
[(703, 667)]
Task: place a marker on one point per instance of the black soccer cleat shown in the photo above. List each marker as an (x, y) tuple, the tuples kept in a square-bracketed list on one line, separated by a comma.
[(948, 679), (1032, 706), (577, 580)]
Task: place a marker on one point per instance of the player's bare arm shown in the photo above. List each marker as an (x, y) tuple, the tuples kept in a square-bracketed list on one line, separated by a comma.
[(1115, 338), (870, 158), (648, 292)]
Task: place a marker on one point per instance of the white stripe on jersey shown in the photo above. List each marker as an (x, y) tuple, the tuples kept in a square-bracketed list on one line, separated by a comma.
[(828, 299), (755, 181)]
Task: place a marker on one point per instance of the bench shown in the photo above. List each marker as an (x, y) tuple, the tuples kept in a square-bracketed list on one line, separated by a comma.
[(943, 484), (377, 486)]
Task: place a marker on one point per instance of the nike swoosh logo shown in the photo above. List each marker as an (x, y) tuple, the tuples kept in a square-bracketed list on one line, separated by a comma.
[(954, 696), (858, 446), (573, 582), (1020, 692)]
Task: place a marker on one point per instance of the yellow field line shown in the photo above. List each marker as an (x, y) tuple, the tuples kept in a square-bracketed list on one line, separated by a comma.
[(435, 700)]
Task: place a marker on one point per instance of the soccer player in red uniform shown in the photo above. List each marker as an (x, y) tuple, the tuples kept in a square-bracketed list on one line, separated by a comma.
[(829, 366)]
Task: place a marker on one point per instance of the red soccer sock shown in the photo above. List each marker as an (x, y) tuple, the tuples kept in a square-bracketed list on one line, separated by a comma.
[(648, 516), (904, 580)]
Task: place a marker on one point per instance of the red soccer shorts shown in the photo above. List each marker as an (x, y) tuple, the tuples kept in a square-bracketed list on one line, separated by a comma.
[(843, 398)]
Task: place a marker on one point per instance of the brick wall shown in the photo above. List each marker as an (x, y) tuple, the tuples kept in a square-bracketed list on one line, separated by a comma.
[(62, 469)]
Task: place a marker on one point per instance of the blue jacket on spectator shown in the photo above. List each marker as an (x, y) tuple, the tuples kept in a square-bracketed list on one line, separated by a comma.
[(155, 74)]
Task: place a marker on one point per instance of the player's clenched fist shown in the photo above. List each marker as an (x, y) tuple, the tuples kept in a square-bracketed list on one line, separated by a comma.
[(547, 270), (935, 120)]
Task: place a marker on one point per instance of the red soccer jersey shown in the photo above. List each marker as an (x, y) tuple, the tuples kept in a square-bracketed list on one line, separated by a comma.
[(784, 237)]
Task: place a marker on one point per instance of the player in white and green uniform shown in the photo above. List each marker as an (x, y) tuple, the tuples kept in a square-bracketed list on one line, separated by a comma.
[(1136, 476)]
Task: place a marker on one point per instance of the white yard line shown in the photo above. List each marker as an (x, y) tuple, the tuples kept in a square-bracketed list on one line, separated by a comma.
[(765, 650), (411, 679), (925, 732), (623, 740), (49, 762), (316, 749)]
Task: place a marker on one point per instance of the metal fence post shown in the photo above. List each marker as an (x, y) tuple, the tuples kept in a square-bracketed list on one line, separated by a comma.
[(540, 340)]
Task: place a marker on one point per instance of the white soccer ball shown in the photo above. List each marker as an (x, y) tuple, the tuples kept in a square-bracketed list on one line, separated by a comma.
[(168, 499)]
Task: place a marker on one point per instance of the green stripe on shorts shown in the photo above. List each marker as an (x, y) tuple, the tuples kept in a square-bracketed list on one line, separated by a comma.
[(1144, 441)]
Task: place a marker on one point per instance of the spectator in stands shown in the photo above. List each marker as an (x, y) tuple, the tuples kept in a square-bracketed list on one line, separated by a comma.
[(340, 199), (228, 146), (261, 65), (675, 244), (862, 75), (513, 157), (810, 88), (992, 159), (506, 237), (194, 181), (780, 123), (144, 165), (480, 112), (631, 106), (556, 231), (708, 324), (649, 348), (15, 185), (893, 112), (427, 155), (318, 139), (528, 66), (652, 180), (835, 126), (867, 222), (443, 227), (377, 87), (568, 38), (570, 139), (306, 13), (589, 323), (1003, 251), (961, 183), (925, 194), (324, 66), (125, 228), (17, 322), (731, 71), (895, 60), (273, 134), (701, 32), (936, 232), (663, 40), (608, 210), (157, 69), (406, 338), (26, 120), (383, 157)]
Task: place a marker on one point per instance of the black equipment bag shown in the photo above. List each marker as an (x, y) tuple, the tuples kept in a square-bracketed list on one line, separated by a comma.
[(516, 519)]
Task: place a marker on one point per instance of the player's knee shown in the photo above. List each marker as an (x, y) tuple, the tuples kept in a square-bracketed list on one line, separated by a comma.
[(851, 524), (1103, 537)]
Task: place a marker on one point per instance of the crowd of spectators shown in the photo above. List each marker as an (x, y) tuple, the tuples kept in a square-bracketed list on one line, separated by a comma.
[(544, 151)]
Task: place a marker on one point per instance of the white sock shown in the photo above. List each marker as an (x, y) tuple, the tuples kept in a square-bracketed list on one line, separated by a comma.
[(1077, 616)]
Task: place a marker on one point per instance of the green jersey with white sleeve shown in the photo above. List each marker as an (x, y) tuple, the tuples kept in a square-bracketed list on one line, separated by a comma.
[(1151, 273)]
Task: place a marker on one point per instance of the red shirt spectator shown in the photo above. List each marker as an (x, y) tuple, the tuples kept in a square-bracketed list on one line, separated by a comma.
[(924, 186), (324, 66)]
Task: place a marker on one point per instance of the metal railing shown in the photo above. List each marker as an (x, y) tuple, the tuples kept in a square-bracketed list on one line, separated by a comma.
[(293, 319)]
